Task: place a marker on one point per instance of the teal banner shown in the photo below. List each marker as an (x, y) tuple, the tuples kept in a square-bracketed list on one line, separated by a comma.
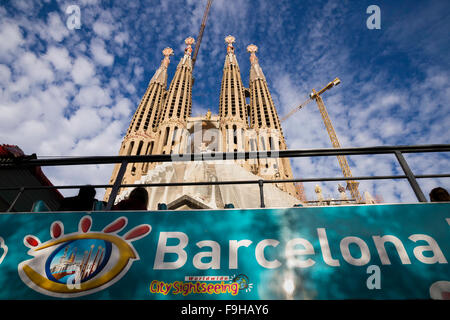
[(344, 252)]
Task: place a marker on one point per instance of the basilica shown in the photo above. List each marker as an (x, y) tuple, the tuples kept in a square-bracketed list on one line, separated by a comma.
[(162, 124)]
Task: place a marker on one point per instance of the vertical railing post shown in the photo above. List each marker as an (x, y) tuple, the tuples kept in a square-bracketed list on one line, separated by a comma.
[(261, 193), (21, 190), (116, 186), (410, 176)]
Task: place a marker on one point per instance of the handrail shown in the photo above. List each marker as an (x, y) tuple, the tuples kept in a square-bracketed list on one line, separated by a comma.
[(211, 156), (125, 160)]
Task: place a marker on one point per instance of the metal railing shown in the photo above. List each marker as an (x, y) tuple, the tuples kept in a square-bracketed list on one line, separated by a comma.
[(398, 151)]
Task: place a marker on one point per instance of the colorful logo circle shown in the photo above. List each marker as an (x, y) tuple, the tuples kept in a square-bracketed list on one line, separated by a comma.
[(82, 262)]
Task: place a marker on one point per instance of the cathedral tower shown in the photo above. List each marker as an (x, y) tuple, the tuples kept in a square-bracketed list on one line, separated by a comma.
[(142, 134), (264, 120), (232, 106), (173, 132)]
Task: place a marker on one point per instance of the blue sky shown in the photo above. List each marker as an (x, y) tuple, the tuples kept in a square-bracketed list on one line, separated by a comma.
[(73, 92)]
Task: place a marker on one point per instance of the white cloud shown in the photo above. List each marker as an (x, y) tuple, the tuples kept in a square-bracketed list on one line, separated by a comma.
[(5, 74), (89, 2), (59, 58), (10, 114), (34, 130), (92, 96), (83, 71), (121, 38), (122, 108), (10, 38), (84, 123), (56, 29), (37, 70), (107, 141), (100, 54), (60, 145), (103, 30), (390, 127)]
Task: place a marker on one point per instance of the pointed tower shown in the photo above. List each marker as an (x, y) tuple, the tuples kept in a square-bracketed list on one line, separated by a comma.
[(173, 133), (142, 134), (264, 120), (232, 108)]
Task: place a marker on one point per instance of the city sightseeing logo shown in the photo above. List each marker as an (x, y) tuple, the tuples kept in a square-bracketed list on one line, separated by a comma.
[(82, 262), (204, 285)]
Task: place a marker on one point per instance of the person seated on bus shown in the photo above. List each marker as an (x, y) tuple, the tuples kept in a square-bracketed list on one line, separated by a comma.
[(84, 201), (137, 200), (439, 195)]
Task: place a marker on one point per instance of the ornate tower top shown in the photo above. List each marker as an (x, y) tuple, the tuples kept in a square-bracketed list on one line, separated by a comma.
[(252, 49), (255, 69), (160, 75), (167, 52), (189, 42), (230, 40)]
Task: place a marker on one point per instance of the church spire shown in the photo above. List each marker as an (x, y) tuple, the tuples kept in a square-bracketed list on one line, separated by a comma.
[(232, 106), (264, 119), (177, 106), (142, 132), (145, 118), (264, 113), (179, 98)]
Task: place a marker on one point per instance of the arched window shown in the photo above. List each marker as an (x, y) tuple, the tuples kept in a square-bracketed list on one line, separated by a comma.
[(166, 136), (263, 144), (139, 149), (174, 135), (130, 148), (252, 145)]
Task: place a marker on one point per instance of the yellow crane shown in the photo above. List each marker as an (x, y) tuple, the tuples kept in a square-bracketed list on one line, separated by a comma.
[(352, 186), (200, 33)]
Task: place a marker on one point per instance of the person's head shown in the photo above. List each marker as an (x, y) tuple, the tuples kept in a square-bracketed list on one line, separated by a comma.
[(87, 192), (139, 194), (439, 194)]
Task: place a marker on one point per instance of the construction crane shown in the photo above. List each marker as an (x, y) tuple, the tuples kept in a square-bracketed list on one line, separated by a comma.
[(200, 34), (304, 103), (352, 186)]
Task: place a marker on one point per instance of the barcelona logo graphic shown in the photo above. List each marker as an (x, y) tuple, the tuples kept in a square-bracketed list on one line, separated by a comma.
[(80, 263)]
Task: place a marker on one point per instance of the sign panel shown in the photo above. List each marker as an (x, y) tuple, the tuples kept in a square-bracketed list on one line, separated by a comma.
[(344, 252)]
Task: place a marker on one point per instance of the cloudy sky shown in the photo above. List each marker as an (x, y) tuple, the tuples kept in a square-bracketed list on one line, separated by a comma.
[(73, 92)]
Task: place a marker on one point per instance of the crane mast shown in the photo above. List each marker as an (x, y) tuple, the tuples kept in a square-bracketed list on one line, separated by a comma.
[(352, 186), (200, 34)]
